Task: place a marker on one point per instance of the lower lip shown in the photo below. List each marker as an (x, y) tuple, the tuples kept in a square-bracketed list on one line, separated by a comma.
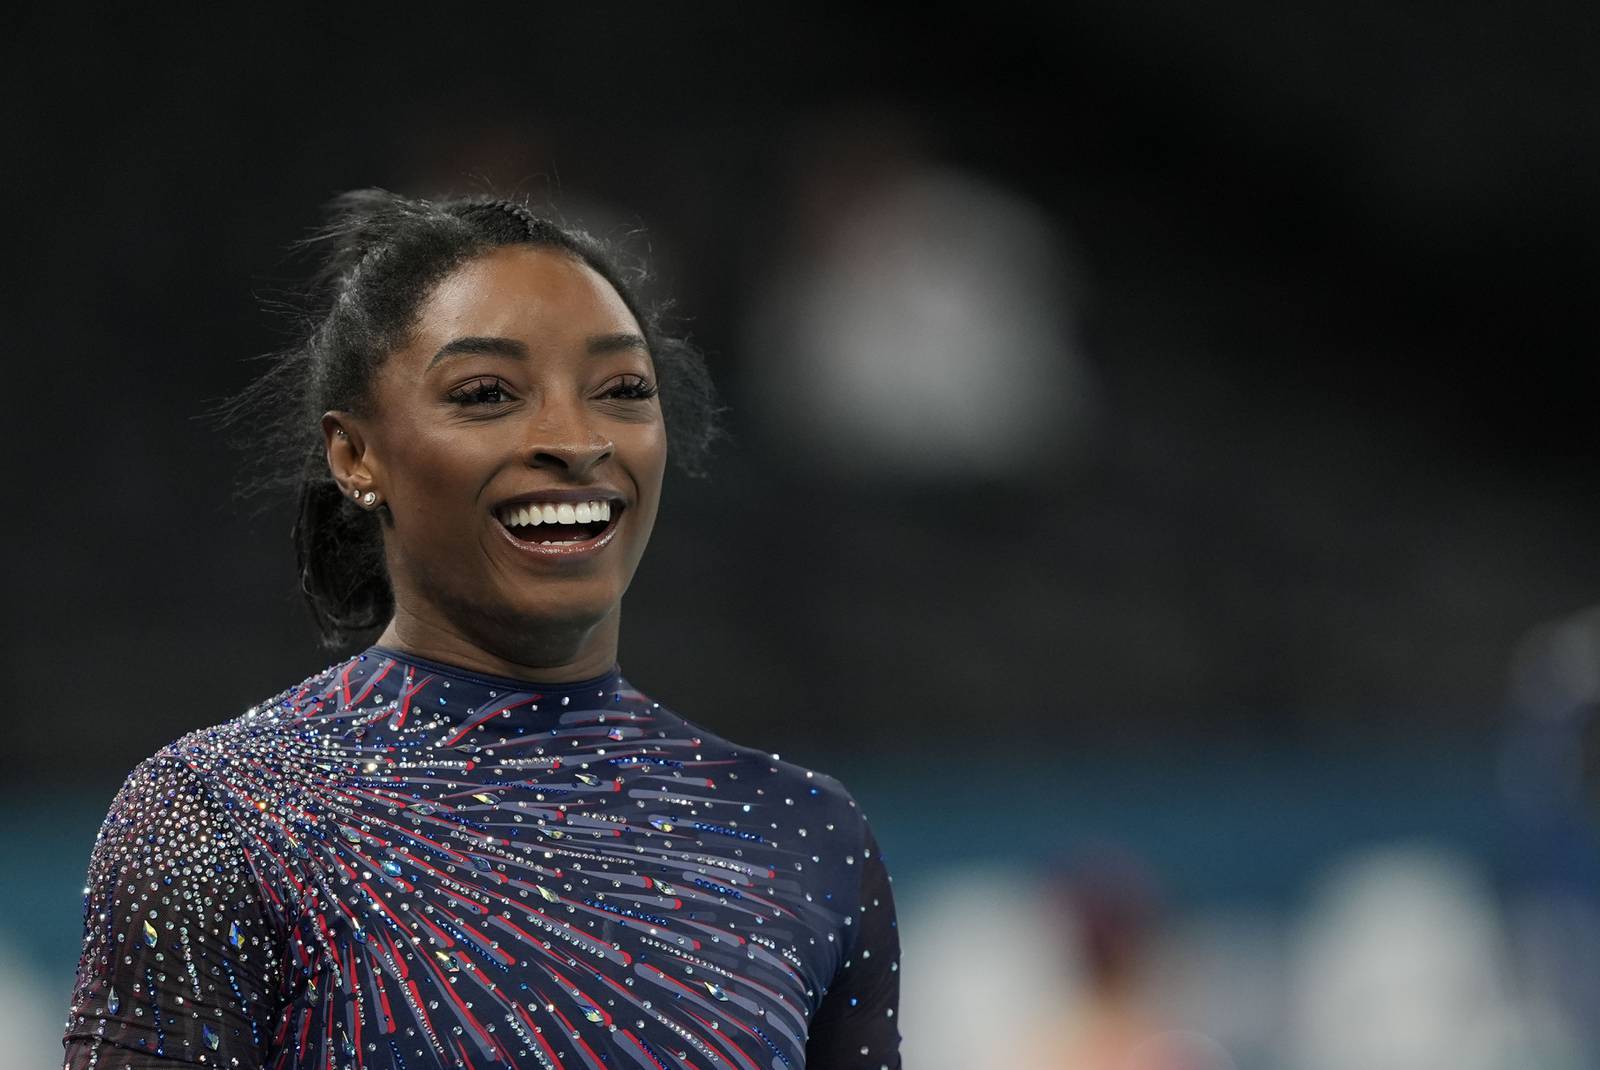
[(569, 551)]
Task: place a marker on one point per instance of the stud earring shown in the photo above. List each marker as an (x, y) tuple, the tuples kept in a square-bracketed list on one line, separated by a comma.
[(355, 493), (368, 499)]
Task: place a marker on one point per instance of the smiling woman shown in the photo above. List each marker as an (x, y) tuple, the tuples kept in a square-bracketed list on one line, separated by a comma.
[(525, 381), (474, 843)]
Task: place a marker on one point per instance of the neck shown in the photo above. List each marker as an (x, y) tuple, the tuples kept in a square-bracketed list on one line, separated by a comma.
[(551, 652)]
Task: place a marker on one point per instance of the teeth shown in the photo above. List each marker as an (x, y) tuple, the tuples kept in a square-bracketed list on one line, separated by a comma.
[(536, 513)]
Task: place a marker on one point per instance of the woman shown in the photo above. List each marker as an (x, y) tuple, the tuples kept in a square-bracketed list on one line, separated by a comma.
[(475, 844)]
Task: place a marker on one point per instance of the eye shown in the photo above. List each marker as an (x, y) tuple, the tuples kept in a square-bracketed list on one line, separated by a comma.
[(479, 392), (631, 388)]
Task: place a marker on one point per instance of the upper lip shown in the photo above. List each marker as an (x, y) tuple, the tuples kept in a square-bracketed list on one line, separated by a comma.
[(565, 494)]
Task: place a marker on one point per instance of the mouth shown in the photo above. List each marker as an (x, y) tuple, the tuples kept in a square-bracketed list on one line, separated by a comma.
[(560, 529)]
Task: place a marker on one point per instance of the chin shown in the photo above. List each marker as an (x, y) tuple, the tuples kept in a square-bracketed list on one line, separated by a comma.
[(561, 610)]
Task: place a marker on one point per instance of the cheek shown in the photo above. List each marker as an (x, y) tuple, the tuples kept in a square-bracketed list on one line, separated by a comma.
[(436, 479), (660, 452), (649, 452)]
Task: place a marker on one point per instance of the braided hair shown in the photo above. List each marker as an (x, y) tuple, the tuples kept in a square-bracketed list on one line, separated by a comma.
[(382, 255)]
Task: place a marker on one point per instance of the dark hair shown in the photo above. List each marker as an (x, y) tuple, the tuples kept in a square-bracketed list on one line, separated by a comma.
[(382, 254)]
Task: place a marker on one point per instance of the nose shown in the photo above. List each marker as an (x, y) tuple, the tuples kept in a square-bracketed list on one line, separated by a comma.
[(563, 437)]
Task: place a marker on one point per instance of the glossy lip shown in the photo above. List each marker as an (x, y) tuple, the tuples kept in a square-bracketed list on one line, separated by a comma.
[(582, 549)]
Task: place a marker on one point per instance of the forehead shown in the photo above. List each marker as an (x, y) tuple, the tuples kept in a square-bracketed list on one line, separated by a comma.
[(543, 297)]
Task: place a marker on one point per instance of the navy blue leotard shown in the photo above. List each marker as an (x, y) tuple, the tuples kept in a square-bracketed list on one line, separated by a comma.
[(403, 864)]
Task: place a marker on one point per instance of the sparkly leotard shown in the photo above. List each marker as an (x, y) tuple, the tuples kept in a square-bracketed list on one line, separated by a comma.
[(398, 863)]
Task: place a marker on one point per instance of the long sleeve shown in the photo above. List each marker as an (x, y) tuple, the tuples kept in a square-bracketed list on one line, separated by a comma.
[(179, 964), (856, 1027)]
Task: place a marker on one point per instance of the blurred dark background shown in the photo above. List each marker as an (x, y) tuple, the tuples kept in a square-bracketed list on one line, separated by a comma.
[(1274, 461)]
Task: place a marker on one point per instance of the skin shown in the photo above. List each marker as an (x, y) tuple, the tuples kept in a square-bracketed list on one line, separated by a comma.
[(566, 414)]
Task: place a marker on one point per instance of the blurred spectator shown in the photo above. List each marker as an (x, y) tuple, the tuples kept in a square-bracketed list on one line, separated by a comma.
[(1550, 776), (1220, 972), (1555, 669), (1114, 1022), (922, 323), (993, 963), (1063, 963), (1400, 965)]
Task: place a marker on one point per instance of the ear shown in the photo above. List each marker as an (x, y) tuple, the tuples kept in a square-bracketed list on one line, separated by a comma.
[(349, 458)]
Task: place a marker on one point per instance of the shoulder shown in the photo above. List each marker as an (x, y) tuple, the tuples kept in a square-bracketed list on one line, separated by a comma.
[(789, 796), (159, 794), (199, 810), (197, 777), (260, 732), (165, 830)]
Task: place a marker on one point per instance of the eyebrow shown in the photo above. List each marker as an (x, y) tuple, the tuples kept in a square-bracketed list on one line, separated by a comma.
[(510, 347), (502, 347), (612, 343)]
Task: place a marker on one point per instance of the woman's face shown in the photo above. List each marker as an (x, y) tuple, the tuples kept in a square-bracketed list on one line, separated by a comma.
[(525, 392)]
